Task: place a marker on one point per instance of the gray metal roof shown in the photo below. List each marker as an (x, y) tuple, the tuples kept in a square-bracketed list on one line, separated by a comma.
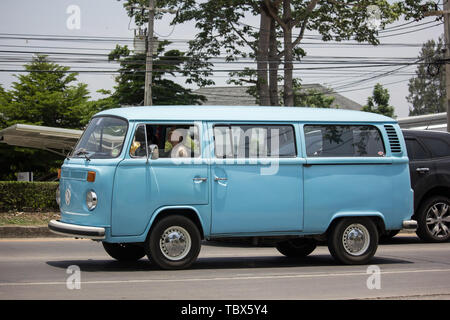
[(238, 96), (437, 121)]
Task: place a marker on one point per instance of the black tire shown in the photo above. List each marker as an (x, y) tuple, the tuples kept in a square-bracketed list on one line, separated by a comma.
[(344, 249), (388, 235), (124, 251), (297, 248), (427, 209), (185, 244)]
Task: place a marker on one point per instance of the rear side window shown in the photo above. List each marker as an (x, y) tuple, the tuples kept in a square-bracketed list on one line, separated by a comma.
[(254, 141), (439, 148), (343, 141), (415, 150)]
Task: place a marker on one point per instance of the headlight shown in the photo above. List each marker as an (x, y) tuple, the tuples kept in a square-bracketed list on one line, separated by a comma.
[(58, 196), (91, 200)]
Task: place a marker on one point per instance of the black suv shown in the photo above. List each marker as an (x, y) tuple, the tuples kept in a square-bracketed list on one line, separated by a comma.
[(429, 164)]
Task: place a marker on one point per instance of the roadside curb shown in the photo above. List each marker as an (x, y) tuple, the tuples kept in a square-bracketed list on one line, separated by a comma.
[(26, 232)]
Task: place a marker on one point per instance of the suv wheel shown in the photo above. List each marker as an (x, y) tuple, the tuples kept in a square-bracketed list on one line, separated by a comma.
[(433, 219)]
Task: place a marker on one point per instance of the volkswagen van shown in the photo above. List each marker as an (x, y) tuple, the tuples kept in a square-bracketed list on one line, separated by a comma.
[(159, 181)]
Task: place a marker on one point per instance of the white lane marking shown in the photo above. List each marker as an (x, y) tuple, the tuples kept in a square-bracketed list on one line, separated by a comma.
[(290, 276)]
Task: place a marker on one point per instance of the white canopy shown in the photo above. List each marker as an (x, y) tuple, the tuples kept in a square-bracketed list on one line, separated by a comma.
[(56, 140)]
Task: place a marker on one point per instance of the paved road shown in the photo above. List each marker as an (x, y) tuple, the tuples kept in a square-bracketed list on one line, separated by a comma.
[(37, 269)]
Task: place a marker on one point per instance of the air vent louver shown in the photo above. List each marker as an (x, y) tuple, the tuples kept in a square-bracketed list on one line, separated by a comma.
[(393, 139)]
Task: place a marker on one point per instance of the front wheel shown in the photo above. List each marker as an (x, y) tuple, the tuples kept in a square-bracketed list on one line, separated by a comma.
[(124, 251), (174, 243), (353, 240)]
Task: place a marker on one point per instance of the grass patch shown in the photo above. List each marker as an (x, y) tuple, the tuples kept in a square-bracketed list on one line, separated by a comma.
[(27, 218)]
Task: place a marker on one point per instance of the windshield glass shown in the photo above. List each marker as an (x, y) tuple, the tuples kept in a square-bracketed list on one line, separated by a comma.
[(102, 139)]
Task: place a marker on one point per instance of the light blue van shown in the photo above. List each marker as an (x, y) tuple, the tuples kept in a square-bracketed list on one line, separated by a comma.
[(157, 181)]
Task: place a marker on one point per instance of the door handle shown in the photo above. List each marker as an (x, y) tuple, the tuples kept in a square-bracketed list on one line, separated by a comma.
[(422, 170), (198, 180), (220, 179)]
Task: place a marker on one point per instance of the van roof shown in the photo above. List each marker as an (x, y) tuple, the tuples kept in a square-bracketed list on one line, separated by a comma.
[(244, 113)]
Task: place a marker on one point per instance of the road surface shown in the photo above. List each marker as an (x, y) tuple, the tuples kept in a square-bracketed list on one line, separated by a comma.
[(38, 269)]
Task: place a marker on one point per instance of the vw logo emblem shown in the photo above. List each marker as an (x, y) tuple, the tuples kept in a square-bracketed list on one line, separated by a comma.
[(67, 196)]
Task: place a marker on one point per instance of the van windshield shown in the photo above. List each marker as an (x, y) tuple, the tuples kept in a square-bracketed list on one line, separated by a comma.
[(102, 139)]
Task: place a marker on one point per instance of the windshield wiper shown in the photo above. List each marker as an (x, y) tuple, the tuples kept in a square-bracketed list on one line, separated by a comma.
[(84, 153)]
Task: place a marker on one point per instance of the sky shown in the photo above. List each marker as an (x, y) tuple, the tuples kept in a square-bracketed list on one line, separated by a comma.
[(108, 18)]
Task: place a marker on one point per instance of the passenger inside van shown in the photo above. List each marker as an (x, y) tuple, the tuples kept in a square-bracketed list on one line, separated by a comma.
[(175, 144)]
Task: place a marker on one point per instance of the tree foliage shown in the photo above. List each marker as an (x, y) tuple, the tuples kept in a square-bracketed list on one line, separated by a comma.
[(311, 98), (44, 96), (427, 88), (379, 102), (223, 32), (131, 80)]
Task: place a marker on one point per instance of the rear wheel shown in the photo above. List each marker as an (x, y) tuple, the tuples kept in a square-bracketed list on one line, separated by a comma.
[(433, 219), (388, 235), (124, 251), (353, 240), (297, 248), (174, 243)]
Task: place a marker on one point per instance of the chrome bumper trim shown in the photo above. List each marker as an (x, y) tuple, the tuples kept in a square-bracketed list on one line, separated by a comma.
[(77, 231), (410, 224)]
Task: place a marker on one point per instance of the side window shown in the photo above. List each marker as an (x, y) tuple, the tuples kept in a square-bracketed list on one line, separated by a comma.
[(138, 146), (343, 141), (223, 145), (254, 141), (415, 150), (439, 148), (172, 141)]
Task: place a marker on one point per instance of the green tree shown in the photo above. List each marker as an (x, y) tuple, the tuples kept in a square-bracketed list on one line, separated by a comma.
[(223, 31), (379, 102), (427, 88), (45, 96), (131, 80), (312, 98), (90, 108)]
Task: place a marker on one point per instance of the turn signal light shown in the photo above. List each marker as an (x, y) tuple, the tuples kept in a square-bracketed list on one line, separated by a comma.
[(91, 176)]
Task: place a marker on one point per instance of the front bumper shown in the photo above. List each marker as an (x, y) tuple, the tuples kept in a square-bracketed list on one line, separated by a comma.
[(409, 224), (77, 231)]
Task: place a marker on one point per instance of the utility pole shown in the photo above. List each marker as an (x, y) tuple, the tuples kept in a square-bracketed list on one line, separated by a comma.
[(149, 59), (446, 14), (447, 57)]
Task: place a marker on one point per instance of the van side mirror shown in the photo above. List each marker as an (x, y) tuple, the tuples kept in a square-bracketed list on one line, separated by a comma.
[(154, 152)]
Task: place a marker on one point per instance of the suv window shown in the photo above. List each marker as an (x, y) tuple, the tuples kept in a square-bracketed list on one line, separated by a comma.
[(254, 141), (439, 148), (415, 150), (343, 141)]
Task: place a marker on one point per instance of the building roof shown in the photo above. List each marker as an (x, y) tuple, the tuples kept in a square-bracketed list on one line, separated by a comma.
[(238, 96), (244, 113)]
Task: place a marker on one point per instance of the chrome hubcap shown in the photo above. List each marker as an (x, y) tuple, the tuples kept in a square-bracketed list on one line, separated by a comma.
[(438, 220), (356, 239), (175, 243)]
